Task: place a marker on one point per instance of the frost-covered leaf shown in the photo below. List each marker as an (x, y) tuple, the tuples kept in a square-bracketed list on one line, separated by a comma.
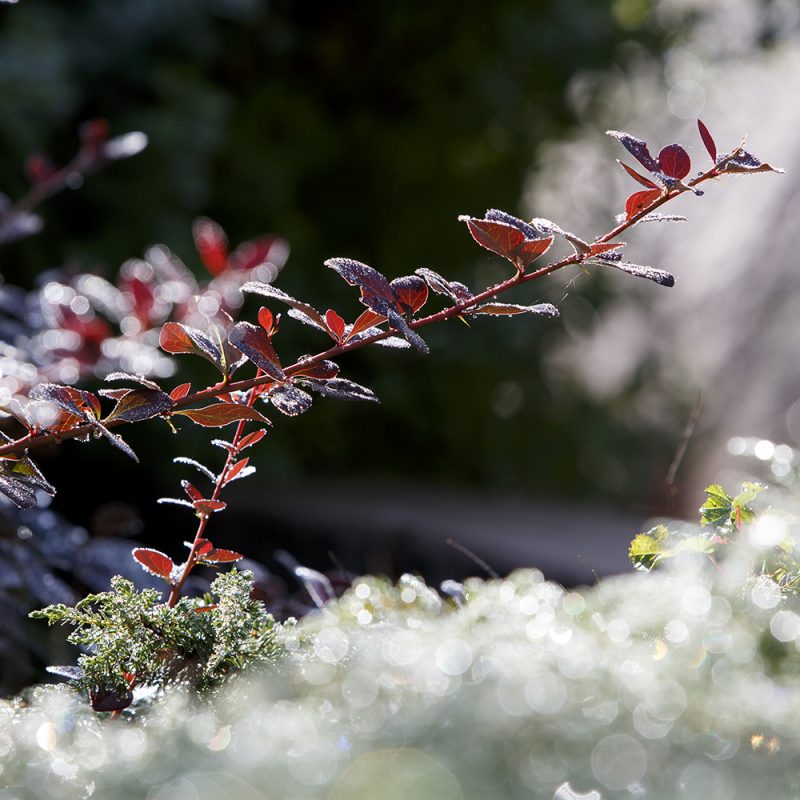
[(140, 404), (255, 343), (289, 399), (637, 148), (398, 322), (376, 291), (509, 309), (659, 276), (456, 291), (342, 389), (745, 163), (206, 507)]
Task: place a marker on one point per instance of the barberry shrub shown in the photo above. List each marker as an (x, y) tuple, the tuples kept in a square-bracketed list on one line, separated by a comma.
[(134, 638)]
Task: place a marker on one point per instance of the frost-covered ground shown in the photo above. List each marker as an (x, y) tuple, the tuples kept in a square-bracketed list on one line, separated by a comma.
[(669, 685)]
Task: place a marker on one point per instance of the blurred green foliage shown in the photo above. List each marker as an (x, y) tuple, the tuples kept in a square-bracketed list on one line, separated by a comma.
[(355, 129)]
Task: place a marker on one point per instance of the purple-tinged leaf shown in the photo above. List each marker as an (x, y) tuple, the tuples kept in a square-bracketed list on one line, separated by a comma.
[(65, 397), (637, 148), (116, 440), (105, 699), (289, 399), (310, 313), (154, 561), (342, 389), (399, 323), (659, 276), (255, 343), (528, 230), (552, 229), (140, 404), (456, 291), (376, 291), (18, 493), (745, 163), (321, 369), (674, 162), (708, 140), (509, 309)]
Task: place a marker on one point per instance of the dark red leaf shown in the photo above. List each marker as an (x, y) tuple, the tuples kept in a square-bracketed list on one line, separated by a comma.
[(637, 148), (453, 289), (174, 339), (203, 546), (103, 699), (508, 238), (192, 492), (399, 323), (636, 176), (411, 292), (266, 320), (322, 369), (206, 507), (154, 561), (252, 438), (222, 557), (499, 237), (674, 161), (211, 243), (335, 324), (255, 343), (367, 320), (708, 140), (179, 392), (139, 404), (640, 200), (222, 414)]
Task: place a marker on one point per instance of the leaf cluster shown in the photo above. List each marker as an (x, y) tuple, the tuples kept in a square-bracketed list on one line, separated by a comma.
[(131, 638)]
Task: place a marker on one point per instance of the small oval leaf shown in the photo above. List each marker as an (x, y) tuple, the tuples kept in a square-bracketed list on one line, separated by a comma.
[(154, 561), (221, 414)]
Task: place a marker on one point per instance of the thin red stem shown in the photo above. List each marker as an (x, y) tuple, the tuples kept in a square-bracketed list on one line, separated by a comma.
[(233, 455)]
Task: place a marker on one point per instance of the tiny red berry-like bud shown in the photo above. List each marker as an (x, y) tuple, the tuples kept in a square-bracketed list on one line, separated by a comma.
[(94, 131), (38, 168)]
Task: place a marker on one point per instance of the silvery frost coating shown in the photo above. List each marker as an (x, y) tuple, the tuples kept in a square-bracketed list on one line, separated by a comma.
[(682, 683)]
